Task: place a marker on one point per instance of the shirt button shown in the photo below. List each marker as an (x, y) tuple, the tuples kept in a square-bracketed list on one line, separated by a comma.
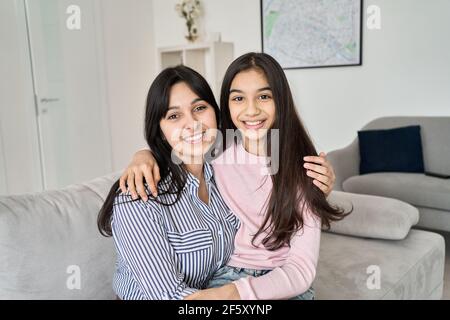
[(220, 232)]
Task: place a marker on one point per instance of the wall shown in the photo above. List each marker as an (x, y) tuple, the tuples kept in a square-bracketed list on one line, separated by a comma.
[(237, 21), (3, 184), (130, 68), (406, 71), (406, 64)]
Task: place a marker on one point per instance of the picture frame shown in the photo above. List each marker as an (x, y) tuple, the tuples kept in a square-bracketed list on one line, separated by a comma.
[(303, 34)]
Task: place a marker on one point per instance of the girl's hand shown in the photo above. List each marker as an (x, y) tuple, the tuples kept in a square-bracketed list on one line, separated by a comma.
[(226, 292), (143, 165), (322, 172)]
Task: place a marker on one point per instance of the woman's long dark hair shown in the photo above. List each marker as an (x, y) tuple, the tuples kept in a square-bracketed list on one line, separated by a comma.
[(156, 108), (293, 191)]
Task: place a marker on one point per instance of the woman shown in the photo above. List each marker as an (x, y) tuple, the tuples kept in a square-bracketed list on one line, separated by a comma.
[(171, 246), (277, 244)]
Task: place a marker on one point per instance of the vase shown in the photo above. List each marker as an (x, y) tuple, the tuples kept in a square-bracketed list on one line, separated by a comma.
[(192, 31), (191, 37)]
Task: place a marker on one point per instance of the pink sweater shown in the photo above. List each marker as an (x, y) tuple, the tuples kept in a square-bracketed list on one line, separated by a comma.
[(245, 186)]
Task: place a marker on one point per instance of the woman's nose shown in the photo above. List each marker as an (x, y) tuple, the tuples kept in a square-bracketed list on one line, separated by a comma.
[(193, 125)]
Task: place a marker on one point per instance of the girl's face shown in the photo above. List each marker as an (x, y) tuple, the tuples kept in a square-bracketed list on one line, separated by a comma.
[(190, 124), (251, 104)]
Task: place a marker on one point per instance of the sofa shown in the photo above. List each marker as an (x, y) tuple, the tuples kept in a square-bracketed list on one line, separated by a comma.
[(50, 248), (429, 194)]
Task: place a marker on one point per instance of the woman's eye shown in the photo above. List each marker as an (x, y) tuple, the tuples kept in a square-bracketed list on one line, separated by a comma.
[(172, 117), (264, 97), (237, 99), (200, 108)]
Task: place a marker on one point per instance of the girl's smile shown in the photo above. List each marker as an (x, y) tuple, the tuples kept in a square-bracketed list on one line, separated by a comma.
[(254, 125)]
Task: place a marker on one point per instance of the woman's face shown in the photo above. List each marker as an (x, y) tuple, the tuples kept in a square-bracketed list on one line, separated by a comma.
[(251, 104), (190, 125)]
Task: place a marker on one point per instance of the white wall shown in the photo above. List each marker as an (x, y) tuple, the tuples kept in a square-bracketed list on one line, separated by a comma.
[(130, 68), (237, 20), (406, 64), (406, 71), (3, 185)]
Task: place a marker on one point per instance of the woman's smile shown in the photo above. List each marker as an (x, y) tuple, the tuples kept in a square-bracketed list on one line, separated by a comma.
[(197, 138)]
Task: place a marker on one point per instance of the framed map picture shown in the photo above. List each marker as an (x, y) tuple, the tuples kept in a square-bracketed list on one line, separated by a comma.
[(312, 33)]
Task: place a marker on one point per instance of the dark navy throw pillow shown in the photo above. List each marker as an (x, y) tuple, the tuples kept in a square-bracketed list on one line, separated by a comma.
[(391, 150)]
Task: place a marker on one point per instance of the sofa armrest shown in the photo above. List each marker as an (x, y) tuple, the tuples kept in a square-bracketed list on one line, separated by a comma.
[(373, 216), (345, 163)]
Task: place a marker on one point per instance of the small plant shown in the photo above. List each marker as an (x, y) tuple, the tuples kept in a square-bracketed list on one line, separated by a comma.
[(190, 10)]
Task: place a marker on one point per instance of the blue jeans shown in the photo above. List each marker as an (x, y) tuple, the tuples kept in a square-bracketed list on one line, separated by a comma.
[(229, 274)]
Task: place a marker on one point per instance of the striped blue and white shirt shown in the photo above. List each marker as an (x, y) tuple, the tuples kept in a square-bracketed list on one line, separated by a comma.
[(169, 252)]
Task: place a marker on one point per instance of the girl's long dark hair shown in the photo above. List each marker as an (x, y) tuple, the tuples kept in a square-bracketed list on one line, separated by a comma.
[(156, 108), (293, 191)]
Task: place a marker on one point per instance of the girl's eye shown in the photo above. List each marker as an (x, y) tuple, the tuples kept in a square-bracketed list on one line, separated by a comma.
[(237, 99), (264, 97), (200, 108)]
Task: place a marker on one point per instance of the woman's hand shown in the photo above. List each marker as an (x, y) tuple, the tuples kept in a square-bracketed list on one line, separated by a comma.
[(226, 292), (321, 171), (142, 166)]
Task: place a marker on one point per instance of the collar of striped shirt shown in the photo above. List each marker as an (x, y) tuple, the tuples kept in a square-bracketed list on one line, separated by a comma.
[(207, 172), (190, 179)]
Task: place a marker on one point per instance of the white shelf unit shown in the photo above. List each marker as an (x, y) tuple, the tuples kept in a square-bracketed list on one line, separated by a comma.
[(210, 59)]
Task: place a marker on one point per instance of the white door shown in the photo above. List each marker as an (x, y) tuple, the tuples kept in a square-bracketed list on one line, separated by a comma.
[(20, 165), (68, 75), (60, 136)]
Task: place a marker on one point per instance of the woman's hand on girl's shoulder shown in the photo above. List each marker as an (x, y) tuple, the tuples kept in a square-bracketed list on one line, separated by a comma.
[(143, 165), (318, 168)]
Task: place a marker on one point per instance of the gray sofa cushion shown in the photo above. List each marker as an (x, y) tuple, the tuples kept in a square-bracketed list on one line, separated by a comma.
[(372, 216), (412, 268), (416, 189), (43, 235)]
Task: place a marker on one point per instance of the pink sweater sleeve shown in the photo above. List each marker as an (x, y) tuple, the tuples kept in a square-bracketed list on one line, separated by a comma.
[(295, 276)]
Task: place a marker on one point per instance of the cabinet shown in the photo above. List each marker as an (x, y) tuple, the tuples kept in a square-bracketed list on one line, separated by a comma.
[(210, 59)]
